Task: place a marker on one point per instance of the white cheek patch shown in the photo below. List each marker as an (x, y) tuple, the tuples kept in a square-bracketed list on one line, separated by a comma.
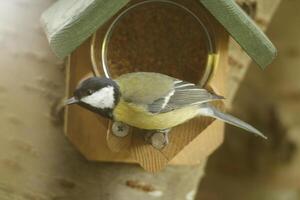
[(103, 98)]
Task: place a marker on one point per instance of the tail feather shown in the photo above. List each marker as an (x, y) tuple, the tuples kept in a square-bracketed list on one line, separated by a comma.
[(210, 111)]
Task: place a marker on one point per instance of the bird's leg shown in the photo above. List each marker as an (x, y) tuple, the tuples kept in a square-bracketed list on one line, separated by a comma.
[(158, 139), (120, 129), (147, 136)]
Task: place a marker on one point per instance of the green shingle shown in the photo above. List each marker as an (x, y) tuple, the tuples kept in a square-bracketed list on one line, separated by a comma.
[(68, 23), (243, 30)]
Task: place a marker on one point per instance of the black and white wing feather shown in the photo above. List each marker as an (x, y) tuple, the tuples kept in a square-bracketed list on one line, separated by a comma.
[(159, 93), (181, 95)]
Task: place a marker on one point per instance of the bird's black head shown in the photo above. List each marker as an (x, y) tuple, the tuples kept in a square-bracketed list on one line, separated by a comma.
[(99, 95)]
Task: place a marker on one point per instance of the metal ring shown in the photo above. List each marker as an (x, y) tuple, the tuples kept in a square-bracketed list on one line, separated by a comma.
[(212, 55)]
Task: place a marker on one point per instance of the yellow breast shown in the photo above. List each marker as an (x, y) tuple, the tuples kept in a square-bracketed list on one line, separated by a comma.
[(138, 116)]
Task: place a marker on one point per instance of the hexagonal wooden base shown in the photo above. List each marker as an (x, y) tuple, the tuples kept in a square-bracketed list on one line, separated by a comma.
[(190, 143)]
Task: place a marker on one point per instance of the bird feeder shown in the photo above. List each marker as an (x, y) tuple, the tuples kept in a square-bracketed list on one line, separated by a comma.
[(184, 39)]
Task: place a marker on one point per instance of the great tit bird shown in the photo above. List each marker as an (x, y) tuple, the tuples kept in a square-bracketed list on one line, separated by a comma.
[(150, 101)]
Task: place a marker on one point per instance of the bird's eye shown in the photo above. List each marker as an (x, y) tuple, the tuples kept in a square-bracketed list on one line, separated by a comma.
[(90, 92)]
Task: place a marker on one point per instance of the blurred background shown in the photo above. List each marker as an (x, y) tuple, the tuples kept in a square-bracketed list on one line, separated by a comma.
[(244, 168), (38, 163)]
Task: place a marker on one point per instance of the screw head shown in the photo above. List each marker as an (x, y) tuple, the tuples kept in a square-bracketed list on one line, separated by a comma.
[(120, 129)]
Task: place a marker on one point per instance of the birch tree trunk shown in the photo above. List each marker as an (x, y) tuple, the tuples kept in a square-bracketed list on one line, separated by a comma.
[(36, 160)]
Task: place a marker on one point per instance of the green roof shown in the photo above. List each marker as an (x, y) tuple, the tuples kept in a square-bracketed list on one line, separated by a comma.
[(68, 23)]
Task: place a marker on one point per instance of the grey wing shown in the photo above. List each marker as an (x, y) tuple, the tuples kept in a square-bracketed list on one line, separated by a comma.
[(183, 94)]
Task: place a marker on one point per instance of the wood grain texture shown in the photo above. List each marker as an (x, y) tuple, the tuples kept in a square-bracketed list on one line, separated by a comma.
[(248, 35), (68, 23), (115, 143), (148, 157)]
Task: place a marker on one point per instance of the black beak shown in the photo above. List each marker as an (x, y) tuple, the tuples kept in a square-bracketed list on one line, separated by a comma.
[(70, 101)]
